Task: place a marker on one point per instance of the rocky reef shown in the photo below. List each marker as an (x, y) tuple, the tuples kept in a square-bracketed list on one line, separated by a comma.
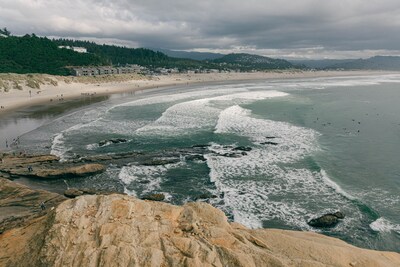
[(118, 230), (44, 167)]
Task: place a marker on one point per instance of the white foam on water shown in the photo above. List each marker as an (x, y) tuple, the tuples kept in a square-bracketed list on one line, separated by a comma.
[(58, 147), (293, 142), (159, 99), (92, 146), (334, 185), (328, 82), (135, 175), (84, 118), (95, 146), (181, 118), (189, 116), (384, 226), (257, 187)]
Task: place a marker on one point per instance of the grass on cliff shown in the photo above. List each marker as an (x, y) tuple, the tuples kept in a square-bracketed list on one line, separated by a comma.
[(10, 81)]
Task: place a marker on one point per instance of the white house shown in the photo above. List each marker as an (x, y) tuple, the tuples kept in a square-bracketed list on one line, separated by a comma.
[(74, 48)]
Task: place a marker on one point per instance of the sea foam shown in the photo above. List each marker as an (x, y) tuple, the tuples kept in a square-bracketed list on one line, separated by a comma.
[(383, 225), (265, 185)]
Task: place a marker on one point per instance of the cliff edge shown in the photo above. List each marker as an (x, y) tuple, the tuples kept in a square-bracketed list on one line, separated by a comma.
[(118, 230)]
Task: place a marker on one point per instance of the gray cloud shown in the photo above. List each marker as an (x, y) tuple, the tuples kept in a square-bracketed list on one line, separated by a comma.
[(302, 28)]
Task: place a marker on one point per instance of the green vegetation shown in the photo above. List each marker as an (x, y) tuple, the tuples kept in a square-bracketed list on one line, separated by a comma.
[(33, 54), (117, 55), (247, 62)]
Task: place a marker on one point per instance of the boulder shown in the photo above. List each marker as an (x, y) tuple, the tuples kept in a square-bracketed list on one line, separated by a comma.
[(89, 191), (73, 193), (339, 215), (327, 220)]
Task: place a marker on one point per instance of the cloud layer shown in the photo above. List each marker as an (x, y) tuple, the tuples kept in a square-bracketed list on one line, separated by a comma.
[(301, 28)]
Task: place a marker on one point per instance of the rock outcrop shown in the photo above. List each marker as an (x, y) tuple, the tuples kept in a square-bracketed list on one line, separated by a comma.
[(327, 220), (20, 204), (45, 167), (118, 230)]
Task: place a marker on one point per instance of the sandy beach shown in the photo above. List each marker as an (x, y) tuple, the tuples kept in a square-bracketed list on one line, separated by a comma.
[(64, 88)]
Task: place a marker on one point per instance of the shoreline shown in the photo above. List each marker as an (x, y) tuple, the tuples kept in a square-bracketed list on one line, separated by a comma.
[(285, 235), (51, 94)]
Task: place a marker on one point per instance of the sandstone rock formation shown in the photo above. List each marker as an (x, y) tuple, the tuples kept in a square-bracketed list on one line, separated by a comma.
[(20, 204), (45, 167), (118, 230)]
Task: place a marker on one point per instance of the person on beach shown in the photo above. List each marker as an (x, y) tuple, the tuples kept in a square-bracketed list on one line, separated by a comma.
[(30, 93), (6, 143), (30, 169), (42, 206)]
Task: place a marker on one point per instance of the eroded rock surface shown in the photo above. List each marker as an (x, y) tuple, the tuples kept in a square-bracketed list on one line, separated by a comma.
[(45, 167), (19, 204), (118, 230)]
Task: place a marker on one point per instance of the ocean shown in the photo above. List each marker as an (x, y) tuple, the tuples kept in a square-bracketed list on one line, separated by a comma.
[(270, 154)]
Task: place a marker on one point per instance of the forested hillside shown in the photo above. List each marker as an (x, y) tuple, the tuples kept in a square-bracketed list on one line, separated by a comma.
[(116, 55), (248, 62), (32, 54)]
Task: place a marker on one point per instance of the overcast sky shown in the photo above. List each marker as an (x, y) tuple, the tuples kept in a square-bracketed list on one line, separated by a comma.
[(278, 28)]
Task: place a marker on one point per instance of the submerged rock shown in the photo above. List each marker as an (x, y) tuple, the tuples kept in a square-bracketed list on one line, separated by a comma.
[(155, 162), (205, 196), (243, 148), (269, 143), (154, 197), (327, 220), (195, 157), (112, 141)]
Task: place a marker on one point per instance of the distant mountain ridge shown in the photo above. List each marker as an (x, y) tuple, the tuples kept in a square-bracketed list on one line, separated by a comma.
[(318, 63), (249, 61), (373, 63), (189, 55)]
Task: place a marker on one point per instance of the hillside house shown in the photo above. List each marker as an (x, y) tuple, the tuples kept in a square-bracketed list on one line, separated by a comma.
[(74, 48)]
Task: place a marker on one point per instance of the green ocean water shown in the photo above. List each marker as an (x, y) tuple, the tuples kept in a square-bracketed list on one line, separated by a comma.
[(312, 146)]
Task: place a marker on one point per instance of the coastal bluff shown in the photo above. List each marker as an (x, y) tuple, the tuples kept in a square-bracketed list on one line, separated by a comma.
[(119, 230)]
